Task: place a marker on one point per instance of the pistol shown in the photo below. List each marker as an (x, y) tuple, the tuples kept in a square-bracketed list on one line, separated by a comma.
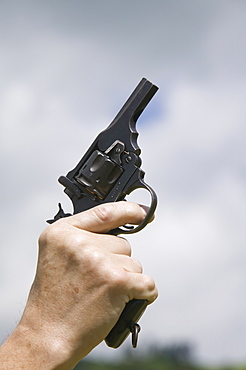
[(108, 172)]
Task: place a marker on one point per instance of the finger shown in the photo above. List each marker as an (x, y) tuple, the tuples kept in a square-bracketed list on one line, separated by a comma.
[(108, 216), (113, 244), (142, 286), (127, 263), (146, 209)]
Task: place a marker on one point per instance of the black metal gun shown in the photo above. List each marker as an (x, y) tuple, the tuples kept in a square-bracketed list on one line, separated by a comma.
[(110, 170)]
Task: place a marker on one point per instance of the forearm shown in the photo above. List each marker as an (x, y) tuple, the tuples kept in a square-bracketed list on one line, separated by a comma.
[(82, 283), (33, 345), (26, 349)]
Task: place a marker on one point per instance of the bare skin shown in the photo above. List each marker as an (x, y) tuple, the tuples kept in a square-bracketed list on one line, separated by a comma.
[(83, 280)]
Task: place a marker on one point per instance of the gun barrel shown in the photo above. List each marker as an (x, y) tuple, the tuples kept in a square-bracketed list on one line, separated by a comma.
[(123, 126), (137, 101)]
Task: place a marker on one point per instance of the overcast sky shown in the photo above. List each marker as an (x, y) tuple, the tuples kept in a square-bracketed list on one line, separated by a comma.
[(66, 69)]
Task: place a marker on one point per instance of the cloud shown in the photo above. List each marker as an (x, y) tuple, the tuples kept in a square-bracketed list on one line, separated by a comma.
[(67, 71)]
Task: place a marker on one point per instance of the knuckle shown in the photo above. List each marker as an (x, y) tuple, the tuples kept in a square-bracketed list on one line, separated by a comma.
[(91, 259), (58, 237), (125, 246), (42, 238), (138, 265), (103, 213), (87, 259), (134, 212), (118, 278), (50, 234), (150, 284), (131, 209), (151, 288)]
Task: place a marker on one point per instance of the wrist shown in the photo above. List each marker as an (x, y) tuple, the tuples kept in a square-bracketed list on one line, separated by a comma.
[(33, 347)]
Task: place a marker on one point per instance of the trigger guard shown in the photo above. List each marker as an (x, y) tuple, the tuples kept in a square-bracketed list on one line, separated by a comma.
[(131, 229)]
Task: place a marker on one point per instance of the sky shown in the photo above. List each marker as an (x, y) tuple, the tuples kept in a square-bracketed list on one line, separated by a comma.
[(66, 69)]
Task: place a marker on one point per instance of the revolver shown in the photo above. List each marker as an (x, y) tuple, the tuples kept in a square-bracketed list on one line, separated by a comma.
[(110, 170)]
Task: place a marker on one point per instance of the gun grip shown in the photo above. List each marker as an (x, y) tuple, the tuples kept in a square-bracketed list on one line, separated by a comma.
[(129, 316)]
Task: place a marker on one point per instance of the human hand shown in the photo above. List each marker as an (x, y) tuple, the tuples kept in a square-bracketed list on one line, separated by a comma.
[(84, 279)]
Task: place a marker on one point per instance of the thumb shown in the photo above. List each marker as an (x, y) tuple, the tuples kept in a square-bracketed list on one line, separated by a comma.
[(108, 216)]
